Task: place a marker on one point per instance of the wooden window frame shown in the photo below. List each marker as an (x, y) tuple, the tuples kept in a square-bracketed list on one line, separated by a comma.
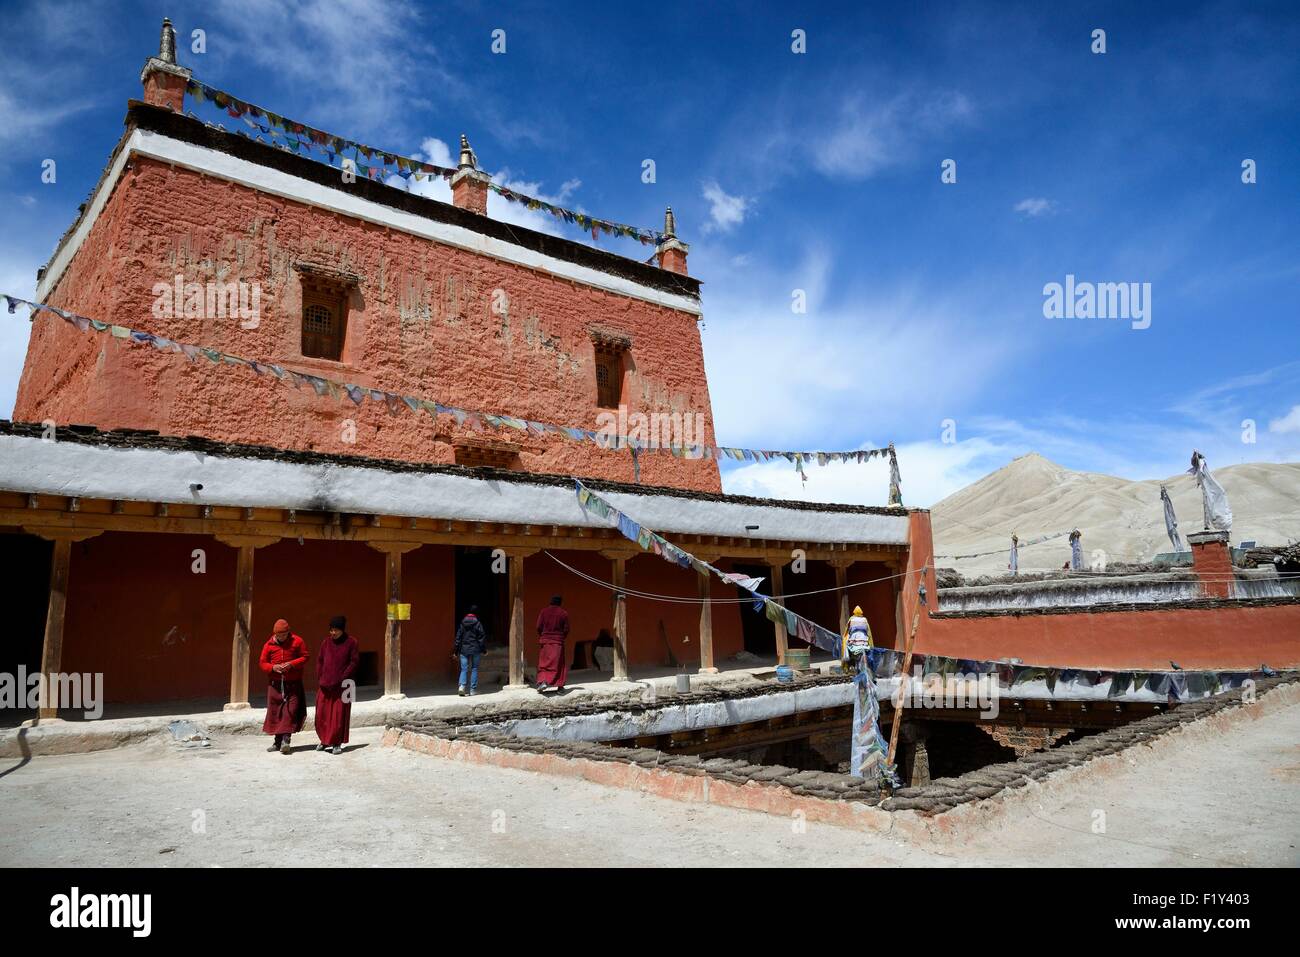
[(611, 355), (332, 295)]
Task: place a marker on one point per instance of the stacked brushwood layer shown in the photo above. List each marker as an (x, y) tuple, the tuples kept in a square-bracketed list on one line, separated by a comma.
[(935, 798)]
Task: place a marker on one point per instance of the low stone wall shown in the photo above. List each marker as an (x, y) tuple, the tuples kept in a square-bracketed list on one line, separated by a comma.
[(822, 796)]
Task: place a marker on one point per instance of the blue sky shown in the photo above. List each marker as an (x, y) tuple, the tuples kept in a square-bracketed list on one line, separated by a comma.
[(818, 172)]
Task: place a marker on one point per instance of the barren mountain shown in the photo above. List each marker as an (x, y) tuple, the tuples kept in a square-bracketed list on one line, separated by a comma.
[(1033, 496)]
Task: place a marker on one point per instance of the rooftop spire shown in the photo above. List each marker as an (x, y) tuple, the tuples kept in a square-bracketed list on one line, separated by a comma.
[(670, 222), (167, 43), (467, 158)]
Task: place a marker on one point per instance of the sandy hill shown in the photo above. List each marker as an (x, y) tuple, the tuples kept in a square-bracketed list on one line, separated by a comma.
[(1033, 496)]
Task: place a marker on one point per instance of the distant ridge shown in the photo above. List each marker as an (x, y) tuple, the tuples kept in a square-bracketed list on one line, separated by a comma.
[(1033, 496)]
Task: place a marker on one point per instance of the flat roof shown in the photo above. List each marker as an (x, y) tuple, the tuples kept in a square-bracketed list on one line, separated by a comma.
[(136, 465)]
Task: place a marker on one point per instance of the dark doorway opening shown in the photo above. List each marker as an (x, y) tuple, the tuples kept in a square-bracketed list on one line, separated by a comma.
[(477, 584), (759, 634), (27, 559)]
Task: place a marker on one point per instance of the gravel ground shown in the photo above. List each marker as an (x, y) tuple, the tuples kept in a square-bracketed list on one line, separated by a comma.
[(1204, 800)]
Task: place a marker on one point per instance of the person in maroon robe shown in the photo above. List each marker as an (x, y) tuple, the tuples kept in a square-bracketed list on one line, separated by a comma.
[(282, 659), (552, 629), (335, 689)]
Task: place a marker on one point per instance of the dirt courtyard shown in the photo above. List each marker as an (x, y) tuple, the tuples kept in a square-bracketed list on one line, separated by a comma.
[(1223, 801)]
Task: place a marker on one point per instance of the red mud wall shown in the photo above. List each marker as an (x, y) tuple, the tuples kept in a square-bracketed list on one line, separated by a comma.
[(158, 631), (1232, 637), (591, 607), (421, 322)]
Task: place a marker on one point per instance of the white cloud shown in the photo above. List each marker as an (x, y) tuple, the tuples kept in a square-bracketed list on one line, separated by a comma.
[(871, 134), (1035, 206), (362, 64), (1288, 423), (726, 211)]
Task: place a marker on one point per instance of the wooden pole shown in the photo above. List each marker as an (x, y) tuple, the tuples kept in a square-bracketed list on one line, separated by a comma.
[(782, 636), (841, 583), (241, 645), (901, 703), (706, 624), (393, 633), (393, 552), (52, 650), (620, 619), (516, 621), (242, 640)]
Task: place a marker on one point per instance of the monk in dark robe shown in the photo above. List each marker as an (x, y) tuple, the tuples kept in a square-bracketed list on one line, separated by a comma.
[(335, 689), (552, 629), (282, 659)]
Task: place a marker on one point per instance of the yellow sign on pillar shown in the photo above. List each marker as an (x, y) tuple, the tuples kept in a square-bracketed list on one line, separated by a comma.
[(399, 611)]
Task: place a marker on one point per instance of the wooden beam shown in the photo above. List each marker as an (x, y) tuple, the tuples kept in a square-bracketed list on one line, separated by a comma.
[(902, 689), (52, 650), (393, 552), (199, 519), (782, 636), (516, 587), (241, 644), (703, 581), (620, 619)]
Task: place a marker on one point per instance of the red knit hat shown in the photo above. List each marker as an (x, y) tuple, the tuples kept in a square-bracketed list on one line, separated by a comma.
[(281, 626)]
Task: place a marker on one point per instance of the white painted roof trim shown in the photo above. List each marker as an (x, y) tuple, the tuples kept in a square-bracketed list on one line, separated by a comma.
[(224, 166), (32, 465)]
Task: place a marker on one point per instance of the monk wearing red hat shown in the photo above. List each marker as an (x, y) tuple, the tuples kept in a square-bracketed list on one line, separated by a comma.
[(283, 656)]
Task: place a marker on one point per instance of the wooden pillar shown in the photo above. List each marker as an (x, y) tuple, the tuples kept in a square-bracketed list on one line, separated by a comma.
[(778, 591), (241, 647), (620, 614), (52, 649), (241, 642), (841, 566), (516, 586), (704, 581), (393, 552)]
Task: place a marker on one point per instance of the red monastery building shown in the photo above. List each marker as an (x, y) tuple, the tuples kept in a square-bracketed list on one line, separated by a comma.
[(414, 393), (304, 505)]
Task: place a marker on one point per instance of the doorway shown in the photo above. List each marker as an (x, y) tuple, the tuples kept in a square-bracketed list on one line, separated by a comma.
[(759, 634), (477, 584)]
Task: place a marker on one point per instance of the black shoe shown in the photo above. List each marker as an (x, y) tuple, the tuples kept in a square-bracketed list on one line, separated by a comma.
[(338, 749), (320, 747)]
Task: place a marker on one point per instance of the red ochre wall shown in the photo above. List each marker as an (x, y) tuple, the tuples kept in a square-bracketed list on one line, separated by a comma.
[(158, 631), (1232, 637), (421, 323), (590, 607)]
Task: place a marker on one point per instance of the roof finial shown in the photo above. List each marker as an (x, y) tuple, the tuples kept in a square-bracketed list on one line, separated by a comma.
[(670, 222), (167, 42), (467, 158)]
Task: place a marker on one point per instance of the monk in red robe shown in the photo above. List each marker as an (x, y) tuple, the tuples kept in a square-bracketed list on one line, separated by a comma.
[(335, 689), (282, 659), (552, 664)]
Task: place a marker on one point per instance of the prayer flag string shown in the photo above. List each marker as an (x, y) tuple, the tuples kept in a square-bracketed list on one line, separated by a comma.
[(300, 137), (475, 419)]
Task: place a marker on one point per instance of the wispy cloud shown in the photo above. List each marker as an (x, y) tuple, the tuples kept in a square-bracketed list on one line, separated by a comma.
[(870, 135), (1035, 206), (1288, 423)]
